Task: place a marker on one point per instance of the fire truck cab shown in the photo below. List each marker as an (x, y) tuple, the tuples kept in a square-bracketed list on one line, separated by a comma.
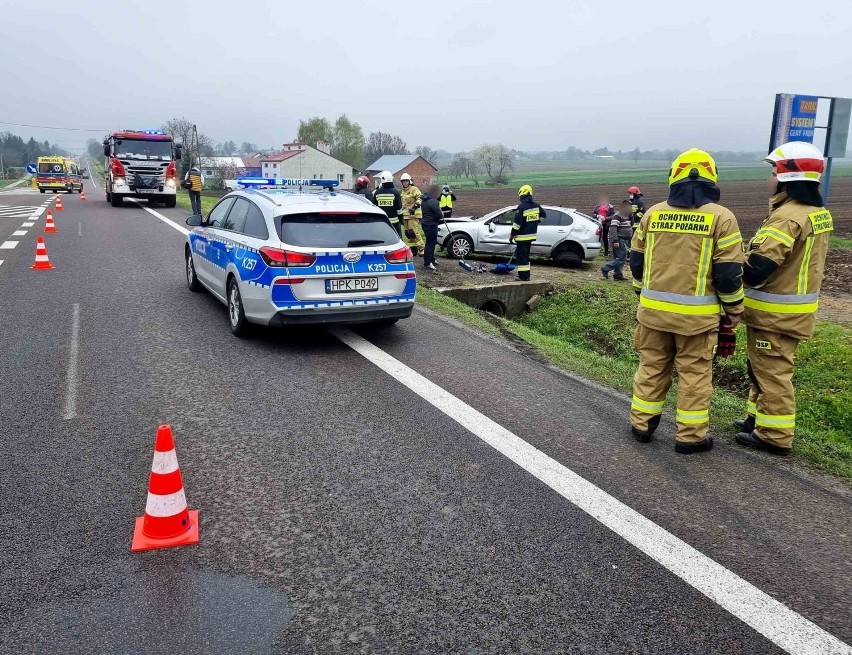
[(141, 164)]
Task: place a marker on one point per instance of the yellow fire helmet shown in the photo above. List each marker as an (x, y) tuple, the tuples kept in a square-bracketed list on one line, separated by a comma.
[(525, 190), (694, 164)]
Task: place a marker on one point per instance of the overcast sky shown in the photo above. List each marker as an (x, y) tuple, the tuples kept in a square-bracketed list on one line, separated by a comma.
[(533, 75)]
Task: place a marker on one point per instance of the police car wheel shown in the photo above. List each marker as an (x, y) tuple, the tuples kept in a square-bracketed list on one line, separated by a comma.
[(236, 314), (459, 246), (191, 278)]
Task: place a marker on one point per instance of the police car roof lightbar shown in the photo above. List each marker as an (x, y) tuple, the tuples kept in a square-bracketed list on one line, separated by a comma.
[(285, 182)]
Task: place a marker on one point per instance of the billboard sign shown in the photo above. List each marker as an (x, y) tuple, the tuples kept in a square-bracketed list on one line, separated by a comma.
[(795, 119)]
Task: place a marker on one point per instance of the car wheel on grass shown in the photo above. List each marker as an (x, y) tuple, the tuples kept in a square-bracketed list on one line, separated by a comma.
[(191, 278), (236, 313), (459, 246), (569, 256)]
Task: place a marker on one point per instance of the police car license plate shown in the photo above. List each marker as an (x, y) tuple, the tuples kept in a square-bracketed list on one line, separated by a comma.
[(351, 284)]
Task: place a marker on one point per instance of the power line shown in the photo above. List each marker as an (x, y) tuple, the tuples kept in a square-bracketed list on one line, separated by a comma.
[(49, 127)]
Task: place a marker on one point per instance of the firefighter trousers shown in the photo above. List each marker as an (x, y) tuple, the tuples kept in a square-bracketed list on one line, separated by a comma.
[(772, 399), (660, 353), (522, 257), (412, 225)]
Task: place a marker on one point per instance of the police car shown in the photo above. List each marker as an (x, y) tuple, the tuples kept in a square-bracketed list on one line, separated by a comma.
[(282, 252)]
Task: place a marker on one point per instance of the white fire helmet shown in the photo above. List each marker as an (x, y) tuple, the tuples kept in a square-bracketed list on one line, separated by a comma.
[(797, 161)]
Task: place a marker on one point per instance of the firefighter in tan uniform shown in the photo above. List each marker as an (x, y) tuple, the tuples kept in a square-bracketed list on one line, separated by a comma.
[(783, 274), (412, 213), (686, 259)]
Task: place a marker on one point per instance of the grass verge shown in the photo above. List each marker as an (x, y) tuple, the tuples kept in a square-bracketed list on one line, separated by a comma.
[(4, 183), (588, 330), (839, 243), (207, 202), (438, 302)]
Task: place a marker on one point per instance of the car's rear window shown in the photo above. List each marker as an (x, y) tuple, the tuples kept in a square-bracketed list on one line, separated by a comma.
[(329, 230)]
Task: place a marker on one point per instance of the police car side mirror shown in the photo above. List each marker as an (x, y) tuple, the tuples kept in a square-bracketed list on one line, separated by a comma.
[(194, 220), (491, 227)]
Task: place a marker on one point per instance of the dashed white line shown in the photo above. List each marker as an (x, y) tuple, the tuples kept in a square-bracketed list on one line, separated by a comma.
[(1, 262), (19, 233), (27, 224), (778, 623), (165, 220), (73, 356), (8, 245), (79, 229)]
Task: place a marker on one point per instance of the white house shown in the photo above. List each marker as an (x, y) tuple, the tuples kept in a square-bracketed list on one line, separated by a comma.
[(299, 160), (221, 166)]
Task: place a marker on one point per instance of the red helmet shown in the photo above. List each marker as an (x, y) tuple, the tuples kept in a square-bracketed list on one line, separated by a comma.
[(634, 190), (362, 181)]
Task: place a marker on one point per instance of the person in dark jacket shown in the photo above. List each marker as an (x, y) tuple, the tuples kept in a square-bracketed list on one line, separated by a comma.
[(432, 216), (362, 188), (637, 200), (524, 229), (620, 234), (603, 211), (389, 199)]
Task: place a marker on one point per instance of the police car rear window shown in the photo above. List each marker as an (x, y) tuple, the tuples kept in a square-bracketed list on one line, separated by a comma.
[(330, 230)]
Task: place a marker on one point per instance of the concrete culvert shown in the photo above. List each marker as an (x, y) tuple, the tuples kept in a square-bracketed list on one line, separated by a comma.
[(495, 307)]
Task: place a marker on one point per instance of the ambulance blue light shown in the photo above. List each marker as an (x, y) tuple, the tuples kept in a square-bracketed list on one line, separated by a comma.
[(152, 132)]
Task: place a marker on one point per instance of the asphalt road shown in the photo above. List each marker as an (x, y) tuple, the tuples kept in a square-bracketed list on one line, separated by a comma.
[(341, 510)]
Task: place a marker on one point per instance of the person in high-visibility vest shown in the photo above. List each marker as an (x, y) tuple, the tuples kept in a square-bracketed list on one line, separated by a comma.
[(687, 263), (446, 201), (412, 213), (783, 274), (195, 181)]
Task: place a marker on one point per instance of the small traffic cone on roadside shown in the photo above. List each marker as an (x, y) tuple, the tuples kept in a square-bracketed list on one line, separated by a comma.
[(42, 263), (49, 225), (82, 196), (59, 203), (167, 521)]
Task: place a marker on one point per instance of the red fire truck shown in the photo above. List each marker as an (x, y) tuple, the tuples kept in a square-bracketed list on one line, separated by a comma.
[(141, 164)]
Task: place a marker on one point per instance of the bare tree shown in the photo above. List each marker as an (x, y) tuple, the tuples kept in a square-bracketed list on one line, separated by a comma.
[(465, 165), (427, 153), (382, 143), (495, 161)]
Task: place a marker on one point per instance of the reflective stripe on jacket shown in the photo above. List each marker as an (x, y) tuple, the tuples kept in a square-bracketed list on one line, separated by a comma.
[(195, 181), (688, 264), (527, 218), (389, 200), (793, 240), (411, 200)]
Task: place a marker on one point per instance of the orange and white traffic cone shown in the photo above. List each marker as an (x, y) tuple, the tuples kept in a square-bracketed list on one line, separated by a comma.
[(42, 263), (82, 196), (49, 225), (59, 203), (167, 521)]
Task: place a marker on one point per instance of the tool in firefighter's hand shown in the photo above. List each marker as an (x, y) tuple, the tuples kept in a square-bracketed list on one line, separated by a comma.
[(727, 342), (411, 234)]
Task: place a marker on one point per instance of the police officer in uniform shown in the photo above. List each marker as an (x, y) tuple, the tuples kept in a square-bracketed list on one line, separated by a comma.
[(388, 198), (524, 229), (412, 212), (686, 259), (783, 274)]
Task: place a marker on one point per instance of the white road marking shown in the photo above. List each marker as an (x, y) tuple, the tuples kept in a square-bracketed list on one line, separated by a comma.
[(781, 625), (1, 262), (73, 356), (165, 220), (8, 245), (79, 229), (19, 233), (27, 224), (38, 212)]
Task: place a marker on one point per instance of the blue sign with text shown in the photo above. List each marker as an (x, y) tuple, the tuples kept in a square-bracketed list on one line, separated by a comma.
[(802, 119)]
